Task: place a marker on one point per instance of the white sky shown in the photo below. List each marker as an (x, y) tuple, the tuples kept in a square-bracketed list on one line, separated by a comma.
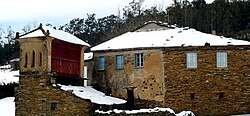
[(18, 13)]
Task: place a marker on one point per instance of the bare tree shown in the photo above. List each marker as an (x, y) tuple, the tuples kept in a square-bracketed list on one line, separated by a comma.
[(1, 34), (29, 26)]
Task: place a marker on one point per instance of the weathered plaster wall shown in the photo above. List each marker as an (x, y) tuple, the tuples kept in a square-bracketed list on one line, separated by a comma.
[(35, 95), (147, 80), (207, 81)]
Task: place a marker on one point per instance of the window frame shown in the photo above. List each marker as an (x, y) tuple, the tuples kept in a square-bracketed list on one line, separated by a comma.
[(101, 65), (119, 62), (221, 59), (192, 60), (139, 60)]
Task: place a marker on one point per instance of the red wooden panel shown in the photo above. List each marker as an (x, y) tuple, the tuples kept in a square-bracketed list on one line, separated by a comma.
[(66, 58)]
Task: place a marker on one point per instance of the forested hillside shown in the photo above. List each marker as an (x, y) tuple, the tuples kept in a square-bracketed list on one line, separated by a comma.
[(226, 17), (8, 46), (230, 18)]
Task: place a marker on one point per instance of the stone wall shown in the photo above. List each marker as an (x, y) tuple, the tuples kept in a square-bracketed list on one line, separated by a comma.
[(89, 64), (207, 90), (36, 96), (147, 80)]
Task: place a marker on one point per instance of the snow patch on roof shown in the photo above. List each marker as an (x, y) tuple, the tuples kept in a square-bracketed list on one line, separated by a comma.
[(166, 38), (58, 34), (92, 94)]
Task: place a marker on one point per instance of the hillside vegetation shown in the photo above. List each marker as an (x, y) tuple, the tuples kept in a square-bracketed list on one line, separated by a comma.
[(230, 18)]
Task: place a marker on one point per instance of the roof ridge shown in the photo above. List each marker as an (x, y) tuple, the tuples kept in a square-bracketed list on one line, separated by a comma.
[(40, 27)]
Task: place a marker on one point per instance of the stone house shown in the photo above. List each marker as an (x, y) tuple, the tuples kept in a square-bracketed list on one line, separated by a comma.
[(45, 56), (180, 68)]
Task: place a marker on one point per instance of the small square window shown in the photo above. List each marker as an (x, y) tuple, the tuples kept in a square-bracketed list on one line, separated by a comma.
[(139, 60), (192, 96), (221, 58), (221, 95), (191, 60), (53, 106)]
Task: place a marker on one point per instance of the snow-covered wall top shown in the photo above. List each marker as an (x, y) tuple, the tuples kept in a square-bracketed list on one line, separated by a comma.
[(92, 94), (58, 34), (88, 56), (166, 38)]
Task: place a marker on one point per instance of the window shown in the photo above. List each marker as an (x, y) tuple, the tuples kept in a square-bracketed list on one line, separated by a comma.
[(119, 62), (221, 95), (139, 60), (33, 59), (191, 60), (192, 96), (26, 60), (53, 106), (221, 59), (101, 63), (40, 59)]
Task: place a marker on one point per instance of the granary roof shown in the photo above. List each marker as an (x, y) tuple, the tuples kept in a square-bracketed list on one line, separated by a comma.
[(171, 37), (58, 34)]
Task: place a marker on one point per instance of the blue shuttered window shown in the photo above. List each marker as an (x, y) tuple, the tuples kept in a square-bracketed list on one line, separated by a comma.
[(191, 60), (101, 63), (221, 59), (119, 61)]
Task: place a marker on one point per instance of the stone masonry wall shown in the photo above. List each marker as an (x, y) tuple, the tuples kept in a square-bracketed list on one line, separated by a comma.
[(147, 80), (207, 90), (36, 96)]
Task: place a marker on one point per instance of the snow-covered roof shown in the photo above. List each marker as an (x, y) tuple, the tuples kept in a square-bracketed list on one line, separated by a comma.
[(166, 38), (88, 56), (92, 94), (58, 34)]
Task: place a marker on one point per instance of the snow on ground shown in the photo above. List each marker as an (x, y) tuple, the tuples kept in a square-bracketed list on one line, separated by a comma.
[(92, 94), (166, 38), (8, 76), (7, 106)]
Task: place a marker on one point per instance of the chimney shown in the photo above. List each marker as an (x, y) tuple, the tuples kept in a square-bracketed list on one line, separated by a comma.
[(17, 35)]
